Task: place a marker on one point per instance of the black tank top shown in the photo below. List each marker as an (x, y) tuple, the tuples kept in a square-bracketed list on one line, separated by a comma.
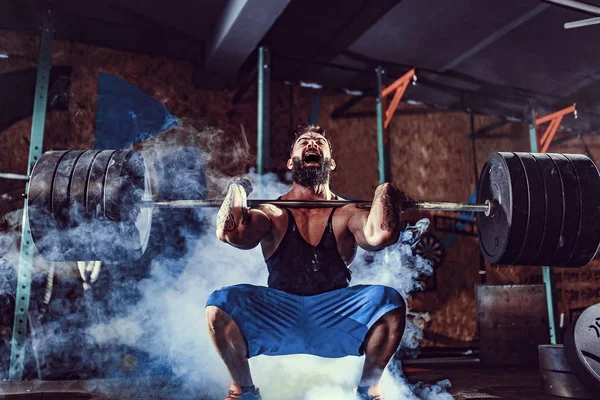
[(299, 268)]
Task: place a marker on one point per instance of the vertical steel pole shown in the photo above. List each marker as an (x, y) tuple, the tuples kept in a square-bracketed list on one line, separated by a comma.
[(546, 273), (35, 151), (315, 110), (482, 271), (264, 77), (383, 148)]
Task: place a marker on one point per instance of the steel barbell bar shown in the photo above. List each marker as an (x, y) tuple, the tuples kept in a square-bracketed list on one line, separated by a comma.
[(533, 209), (485, 208)]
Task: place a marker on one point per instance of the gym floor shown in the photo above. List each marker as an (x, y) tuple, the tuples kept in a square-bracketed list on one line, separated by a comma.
[(469, 381), (476, 382)]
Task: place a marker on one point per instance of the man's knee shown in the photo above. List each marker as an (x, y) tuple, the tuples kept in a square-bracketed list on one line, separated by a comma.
[(216, 318)]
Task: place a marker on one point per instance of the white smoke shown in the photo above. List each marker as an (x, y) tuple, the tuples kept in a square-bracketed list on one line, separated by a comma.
[(169, 320), (155, 321)]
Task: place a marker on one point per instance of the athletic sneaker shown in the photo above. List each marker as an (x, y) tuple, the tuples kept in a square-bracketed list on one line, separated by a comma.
[(362, 396), (235, 393)]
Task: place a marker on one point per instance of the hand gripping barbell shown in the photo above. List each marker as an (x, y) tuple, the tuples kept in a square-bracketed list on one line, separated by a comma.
[(533, 209)]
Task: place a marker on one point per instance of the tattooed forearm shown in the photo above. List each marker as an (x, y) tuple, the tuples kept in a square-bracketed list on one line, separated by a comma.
[(229, 225), (225, 220), (390, 217)]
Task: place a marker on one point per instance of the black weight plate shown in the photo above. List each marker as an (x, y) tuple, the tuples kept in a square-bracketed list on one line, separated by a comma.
[(74, 246), (42, 179), (79, 181), (95, 184), (536, 212), (563, 384), (553, 206), (124, 184), (61, 187), (114, 183), (39, 205), (179, 174), (122, 241), (551, 357), (588, 237), (571, 210), (493, 230), (81, 224), (582, 348), (124, 229), (502, 233)]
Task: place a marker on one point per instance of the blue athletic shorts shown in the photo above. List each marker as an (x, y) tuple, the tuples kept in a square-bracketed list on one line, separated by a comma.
[(332, 324)]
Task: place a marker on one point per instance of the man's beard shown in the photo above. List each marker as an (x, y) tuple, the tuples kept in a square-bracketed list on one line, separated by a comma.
[(311, 176)]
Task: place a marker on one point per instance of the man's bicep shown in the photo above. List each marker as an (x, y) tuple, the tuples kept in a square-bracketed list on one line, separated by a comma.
[(251, 231), (356, 226), (259, 221), (259, 224)]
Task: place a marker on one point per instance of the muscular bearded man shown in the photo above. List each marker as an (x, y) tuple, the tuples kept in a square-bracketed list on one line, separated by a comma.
[(308, 307)]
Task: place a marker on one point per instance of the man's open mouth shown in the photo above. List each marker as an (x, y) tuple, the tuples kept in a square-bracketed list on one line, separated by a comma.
[(312, 157)]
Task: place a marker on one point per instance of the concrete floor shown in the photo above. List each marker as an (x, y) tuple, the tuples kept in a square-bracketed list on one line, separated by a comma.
[(469, 381), (475, 382)]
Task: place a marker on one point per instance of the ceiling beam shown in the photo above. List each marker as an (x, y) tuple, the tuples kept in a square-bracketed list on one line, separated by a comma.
[(351, 24), (494, 37), (240, 28)]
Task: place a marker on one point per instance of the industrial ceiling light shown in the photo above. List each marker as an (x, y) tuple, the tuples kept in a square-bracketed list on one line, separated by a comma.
[(583, 22), (581, 6)]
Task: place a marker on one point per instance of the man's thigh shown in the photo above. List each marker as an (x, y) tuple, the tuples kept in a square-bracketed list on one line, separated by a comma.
[(338, 321), (332, 324), (268, 318)]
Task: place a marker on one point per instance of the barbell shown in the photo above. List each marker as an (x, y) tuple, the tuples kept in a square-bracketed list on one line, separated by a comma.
[(533, 209)]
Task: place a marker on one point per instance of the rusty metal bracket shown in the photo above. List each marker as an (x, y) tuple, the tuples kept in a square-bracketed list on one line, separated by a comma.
[(555, 119), (398, 88)]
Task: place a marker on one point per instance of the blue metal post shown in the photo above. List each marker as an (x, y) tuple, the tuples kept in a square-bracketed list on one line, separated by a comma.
[(35, 151), (546, 273), (383, 149), (263, 129), (315, 110)]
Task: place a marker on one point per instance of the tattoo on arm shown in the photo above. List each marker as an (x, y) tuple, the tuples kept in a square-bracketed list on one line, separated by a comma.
[(390, 218), (229, 224), (245, 217), (225, 220)]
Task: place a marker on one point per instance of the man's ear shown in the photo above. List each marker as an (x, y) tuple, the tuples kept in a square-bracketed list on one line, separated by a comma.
[(333, 164), (290, 164)]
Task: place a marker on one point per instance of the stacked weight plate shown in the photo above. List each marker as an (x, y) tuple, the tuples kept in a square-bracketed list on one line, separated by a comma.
[(545, 209), (556, 376), (582, 348), (84, 205)]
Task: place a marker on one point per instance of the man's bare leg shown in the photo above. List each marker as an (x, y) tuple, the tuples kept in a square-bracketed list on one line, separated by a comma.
[(379, 347), (230, 343)]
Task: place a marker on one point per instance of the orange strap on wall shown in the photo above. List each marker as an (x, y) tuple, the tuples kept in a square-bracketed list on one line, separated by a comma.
[(555, 119), (398, 87)]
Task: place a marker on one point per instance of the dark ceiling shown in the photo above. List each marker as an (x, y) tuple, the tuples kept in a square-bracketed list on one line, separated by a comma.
[(489, 56)]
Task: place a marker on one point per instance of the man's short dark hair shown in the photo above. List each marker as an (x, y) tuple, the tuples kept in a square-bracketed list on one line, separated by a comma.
[(306, 128)]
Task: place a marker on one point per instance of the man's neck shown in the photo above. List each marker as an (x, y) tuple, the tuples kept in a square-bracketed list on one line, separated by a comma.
[(320, 192)]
